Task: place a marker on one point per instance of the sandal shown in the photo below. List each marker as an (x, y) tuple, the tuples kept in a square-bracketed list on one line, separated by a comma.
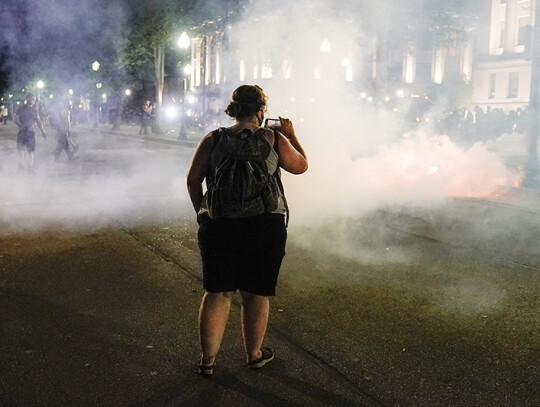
[(266, 357), (207, 371)]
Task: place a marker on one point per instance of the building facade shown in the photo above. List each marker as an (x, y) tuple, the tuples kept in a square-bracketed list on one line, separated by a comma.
[(502, 77), (363, 63)]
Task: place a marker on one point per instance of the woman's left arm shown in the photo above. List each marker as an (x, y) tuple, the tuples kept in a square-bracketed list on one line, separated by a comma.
[(198, 170)]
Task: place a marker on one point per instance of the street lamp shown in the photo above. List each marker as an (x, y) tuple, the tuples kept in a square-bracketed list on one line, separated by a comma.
[(127, 92), (326, 47), (184, 41), (95, 67)]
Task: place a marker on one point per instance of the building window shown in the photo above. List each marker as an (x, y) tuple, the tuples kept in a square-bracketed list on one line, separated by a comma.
[(524, 31), (266, 70), (286, 68), (242, 71), (492, 84), (513, 84)]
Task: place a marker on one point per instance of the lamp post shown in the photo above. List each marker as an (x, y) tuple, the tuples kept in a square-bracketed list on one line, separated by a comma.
[(40, 85), (183, 43), (95, 67)]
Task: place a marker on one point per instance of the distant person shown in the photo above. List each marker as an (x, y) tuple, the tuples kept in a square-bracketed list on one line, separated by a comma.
[(26, 117), (85, 104), (60, 119), (146, 117), (242, 221), (4, 113)]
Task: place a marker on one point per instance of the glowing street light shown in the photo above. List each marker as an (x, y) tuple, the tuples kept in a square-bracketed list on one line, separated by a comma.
[(70, 91), (95, 66), (127, 92), (184, 41), (40, 84), (326, 47), (188, 69), (99, 85)]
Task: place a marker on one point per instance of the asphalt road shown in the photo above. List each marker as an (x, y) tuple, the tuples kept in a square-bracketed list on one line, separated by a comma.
[(406, 305)]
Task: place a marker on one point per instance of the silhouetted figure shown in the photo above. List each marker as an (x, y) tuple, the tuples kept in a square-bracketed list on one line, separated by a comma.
[(4, 113), (146, 117), (60, 119), (26, 117)]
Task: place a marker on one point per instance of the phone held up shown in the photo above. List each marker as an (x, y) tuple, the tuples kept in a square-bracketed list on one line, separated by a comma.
[(273, 124)]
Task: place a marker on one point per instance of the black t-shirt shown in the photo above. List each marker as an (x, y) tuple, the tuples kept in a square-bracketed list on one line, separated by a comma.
[(27, 115)]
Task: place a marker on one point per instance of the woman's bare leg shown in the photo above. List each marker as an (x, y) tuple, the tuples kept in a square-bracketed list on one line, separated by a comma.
[(213, 316), (255, 310)]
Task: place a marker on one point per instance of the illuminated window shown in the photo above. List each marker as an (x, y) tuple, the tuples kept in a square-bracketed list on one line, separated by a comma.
[(286, 68), (492, 84), (242, 71), (266, 70), (256, 71), (349, 74)]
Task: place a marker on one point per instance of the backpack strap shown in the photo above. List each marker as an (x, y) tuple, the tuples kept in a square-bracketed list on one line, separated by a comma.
[(216, 136)]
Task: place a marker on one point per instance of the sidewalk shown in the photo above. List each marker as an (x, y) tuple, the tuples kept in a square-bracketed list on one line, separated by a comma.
[(169, 133)]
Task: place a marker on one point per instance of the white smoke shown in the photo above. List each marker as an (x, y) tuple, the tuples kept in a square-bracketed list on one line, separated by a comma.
[(103, 185), (360, 157)]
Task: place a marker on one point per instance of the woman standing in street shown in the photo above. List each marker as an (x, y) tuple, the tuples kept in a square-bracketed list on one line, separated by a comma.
[(242, 221)]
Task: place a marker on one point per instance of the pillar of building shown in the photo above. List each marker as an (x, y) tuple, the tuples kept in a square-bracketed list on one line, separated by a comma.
[(511, 29)]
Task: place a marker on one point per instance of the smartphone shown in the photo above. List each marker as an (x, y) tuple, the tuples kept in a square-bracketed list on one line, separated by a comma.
[(273, 124)]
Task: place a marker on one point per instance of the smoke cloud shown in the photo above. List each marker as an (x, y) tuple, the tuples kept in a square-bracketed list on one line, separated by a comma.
[(361, 156)]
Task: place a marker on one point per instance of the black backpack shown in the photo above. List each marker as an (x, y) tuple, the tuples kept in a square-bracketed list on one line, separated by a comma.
[(238, 183)]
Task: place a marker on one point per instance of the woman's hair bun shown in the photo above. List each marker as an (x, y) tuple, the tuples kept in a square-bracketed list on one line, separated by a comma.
[(246, 101), (234, 109)]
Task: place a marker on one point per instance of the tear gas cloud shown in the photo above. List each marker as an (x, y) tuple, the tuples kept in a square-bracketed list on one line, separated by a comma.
[(360, 156), (68, 31), (99, 189)]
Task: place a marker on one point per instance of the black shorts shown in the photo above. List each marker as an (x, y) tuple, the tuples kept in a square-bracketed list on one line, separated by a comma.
[(242, 254), (26, 139)]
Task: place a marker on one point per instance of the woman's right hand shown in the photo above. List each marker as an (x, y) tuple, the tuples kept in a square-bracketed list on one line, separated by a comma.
[(287, 128)]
